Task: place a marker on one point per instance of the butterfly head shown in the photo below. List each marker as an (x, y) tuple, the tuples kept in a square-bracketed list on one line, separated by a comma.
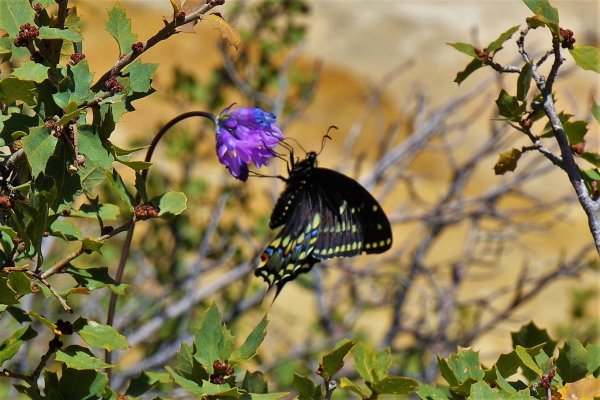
[(309, 163)]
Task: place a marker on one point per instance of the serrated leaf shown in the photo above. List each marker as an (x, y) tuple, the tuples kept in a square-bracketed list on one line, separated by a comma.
[(447, 372), (306, 388), (39, 146), (96, 278), (527, 360), (13, 89), (186, 384), (31, 71), (140, 75), (480, 390), (170, 203), (509, 107), (572, 361), (80, 358), (92, 147), (220, 391), (586, 57), (465, 364), (364, 358), (334, 361), (508, 364), (13, 14), (530, 335), (254, 382), (248, 349), (497, 44), (76, 86), (212, 339), (55, 33), (119, 26), (465, 48), (10, 346), (395, 385), (524, 82), (575, 131), (100, 336), (228, 32), (507, 161)]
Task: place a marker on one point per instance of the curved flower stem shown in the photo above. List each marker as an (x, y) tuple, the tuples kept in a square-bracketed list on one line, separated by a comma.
[(127, 243)]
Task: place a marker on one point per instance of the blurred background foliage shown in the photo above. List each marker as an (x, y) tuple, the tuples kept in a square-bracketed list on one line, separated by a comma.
[(469, 259)]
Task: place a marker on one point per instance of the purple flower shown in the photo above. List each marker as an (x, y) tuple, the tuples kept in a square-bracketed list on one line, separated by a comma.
[(246, 135)]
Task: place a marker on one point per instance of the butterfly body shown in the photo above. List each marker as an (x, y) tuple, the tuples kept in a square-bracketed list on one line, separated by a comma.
[(323, 214)]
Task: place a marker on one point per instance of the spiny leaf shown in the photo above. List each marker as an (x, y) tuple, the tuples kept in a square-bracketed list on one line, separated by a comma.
[(473, 66), (497, 44), (248, 349), (119, 26), (13, 89), (31, 71), (572, 361), (39, 146), (13, 14), (334, 361)]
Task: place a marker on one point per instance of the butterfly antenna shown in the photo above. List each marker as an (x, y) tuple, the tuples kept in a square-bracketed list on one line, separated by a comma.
[(325, 137)]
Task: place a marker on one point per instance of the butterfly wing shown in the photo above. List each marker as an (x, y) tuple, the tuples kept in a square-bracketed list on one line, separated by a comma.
[(352, 220), (324, 214)]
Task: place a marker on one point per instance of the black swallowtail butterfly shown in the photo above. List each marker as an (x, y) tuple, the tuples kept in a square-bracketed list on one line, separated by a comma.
[(324, 214)]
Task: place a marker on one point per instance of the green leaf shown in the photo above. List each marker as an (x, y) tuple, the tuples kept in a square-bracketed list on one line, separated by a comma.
[(19, 282), (347, 384), (5, 49), (254, 382), (146, 381), (572, 361), (334, 361), (395, 385), (480, 390), (497, 44), (223, 390), (7, 294), (267, 396), (100, 336), (427, 392), (116, 184), (80, 358), (473, 66), (137, 166), (39, 146), (465, 48), (170, 204), (364, 360), (96, 278), (13, 14), (527, 360), (593, 357), (213, 341), (65, 230), (119, 26), (306, 389), (508, 364), (543, 9), (524, 82), (31, 71), (187, 366), (592, 174), (248, 349), (596, 111), (55, 33), (92, 245), (502, 383), (465, 364), (106, 212), (13, 343), (575, 131), (587, 57), (81, 385), (76, 86), (509, 107), (530, 335), (592, 158), (13, 89), (91, 176), (140, 76), (447, 372), (507, 161), (186, 384), (93, 149)]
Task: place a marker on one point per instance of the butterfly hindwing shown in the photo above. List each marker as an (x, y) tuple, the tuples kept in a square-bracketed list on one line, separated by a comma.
[(324, 214)]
